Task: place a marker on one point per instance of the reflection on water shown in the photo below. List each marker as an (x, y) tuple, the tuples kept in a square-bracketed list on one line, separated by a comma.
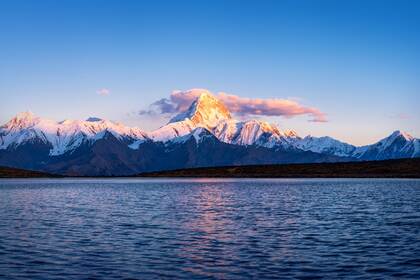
[(209, 228)]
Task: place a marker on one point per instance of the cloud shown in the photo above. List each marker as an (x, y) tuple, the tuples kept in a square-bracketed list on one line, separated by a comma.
[(179, 101), (269, 107), (103, 92)]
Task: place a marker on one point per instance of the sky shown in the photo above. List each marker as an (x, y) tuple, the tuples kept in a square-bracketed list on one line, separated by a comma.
[(356, 63)]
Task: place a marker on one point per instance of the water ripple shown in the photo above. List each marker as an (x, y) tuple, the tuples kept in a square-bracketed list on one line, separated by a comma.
[(209, 229)]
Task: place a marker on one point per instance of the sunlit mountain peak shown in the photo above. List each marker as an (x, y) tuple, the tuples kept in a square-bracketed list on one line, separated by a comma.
[(206, 110)]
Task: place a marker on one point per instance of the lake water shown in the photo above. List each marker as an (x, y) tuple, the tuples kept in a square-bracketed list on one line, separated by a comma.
[(209, 229)]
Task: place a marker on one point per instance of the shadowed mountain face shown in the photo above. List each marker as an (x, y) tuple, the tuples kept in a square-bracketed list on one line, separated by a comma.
[(111, 156), (204, 135)]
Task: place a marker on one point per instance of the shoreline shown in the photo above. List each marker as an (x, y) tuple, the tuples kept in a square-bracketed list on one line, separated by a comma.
[(386, 169)]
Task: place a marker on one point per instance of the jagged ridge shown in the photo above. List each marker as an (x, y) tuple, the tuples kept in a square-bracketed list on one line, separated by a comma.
[(207, 119)]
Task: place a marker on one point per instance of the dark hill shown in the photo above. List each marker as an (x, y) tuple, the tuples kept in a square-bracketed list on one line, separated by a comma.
[(8, 172), (400, 168)]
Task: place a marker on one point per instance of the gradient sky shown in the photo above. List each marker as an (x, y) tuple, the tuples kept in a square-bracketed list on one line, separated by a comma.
[(356, 61)]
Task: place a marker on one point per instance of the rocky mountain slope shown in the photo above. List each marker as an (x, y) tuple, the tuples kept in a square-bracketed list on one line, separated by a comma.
[(205, 134)]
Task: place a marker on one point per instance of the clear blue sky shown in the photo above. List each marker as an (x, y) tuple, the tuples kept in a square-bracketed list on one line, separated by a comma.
[(356, 61)]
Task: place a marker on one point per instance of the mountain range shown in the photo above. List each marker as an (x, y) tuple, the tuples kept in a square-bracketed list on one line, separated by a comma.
[(206, 134)]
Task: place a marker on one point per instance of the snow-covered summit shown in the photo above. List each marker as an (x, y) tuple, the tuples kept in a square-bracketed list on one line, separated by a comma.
[(399, 133), (326, 145), (396, 136), (206, 111), (22, 120), (397, 145), (248, 133)]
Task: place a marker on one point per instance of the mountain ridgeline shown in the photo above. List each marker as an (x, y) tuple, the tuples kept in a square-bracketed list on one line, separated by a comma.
[(205, 135)]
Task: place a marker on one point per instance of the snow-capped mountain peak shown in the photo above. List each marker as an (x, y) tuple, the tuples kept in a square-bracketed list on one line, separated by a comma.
[(290, 133), (397, 145), (206, 111), (399, 133), (395, 136), (22, 120), (325, 145)]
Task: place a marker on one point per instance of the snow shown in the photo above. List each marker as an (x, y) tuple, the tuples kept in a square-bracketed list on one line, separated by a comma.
[(136, 144), (389, 147), (62, 136), (199, 134), (206, 111), (209, 113), (325, 144), (247, 133), (172, 130), (205, 115), (399, 133)]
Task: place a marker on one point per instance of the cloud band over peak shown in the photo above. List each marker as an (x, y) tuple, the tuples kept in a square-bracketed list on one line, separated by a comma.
[(179, 101)]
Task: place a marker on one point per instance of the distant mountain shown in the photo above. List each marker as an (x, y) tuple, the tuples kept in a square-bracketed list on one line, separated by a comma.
[(63, 136), (205, 134), (325, 145), (397, 145)]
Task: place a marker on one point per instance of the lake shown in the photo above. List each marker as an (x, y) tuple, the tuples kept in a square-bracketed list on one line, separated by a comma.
[(209, 228)]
